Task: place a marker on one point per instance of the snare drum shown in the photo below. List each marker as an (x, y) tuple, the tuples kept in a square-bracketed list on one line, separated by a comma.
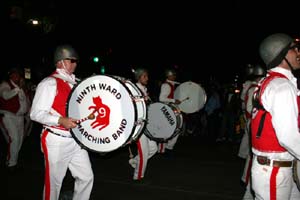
[(165, 121), (118, 112)]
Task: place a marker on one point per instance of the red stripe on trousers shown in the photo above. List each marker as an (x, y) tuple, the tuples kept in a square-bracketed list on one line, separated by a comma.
[(141, 160), (273, 183), (47, 171)]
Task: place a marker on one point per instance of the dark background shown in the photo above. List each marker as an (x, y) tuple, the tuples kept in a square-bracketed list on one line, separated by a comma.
[(215, 38)]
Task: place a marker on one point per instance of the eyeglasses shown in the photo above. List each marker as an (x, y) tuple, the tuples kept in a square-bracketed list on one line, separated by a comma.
[(295, 47), (72, 60)]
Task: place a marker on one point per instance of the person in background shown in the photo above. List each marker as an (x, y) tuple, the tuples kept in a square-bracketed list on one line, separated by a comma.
[(275, 136), (166, 95), (212, 111), (13, 107), (61, 151), (245, 147), (146, 147)]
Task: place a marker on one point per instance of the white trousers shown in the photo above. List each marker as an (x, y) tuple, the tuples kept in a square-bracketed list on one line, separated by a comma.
[(273, 183), (146, 149), (12, 127), (61, 153), (245, 149), (168, 145)]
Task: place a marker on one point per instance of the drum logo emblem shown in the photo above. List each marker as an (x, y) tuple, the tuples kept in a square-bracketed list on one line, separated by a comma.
[(102, 113)]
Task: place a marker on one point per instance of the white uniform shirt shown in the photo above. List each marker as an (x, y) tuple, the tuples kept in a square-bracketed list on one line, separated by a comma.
[(279, 98), (7, 93), (41, 110), (165, 90), (143, 89)]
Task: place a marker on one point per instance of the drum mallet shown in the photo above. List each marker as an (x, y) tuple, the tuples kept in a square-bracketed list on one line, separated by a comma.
[(91, 116), (130, 152), (187, 98)]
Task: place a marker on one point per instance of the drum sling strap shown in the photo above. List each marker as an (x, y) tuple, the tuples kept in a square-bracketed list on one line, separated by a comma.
[(257, 101)]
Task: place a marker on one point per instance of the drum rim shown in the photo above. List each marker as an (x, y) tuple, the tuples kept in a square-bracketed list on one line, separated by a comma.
[(177, 129), (201, 88), (135, 115)]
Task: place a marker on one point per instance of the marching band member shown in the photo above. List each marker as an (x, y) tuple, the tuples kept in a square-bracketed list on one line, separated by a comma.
[(61, 151), (146, 148), (245, 146), (275, 133), (13, 107), (166, 95)]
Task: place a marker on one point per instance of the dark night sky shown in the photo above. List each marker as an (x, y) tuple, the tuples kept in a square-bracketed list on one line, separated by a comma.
[(217, 37)]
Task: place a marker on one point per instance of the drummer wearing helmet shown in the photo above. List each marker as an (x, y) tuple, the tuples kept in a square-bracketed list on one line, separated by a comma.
[(275, 133), (61, 151), (245, 149), (146, 148), (166, 95)]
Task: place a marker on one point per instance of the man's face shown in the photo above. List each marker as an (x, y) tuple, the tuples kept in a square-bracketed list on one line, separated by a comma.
[(144, 78), (293, 55), (69, 65), (15, 77)]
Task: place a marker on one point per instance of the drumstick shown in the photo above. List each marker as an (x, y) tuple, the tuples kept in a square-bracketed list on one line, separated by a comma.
[(130, 152), (91, 116), (187, 98)]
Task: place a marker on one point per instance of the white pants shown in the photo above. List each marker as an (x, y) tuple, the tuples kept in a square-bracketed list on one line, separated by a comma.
[(245, 148), (60, 154), (168, 145), (270, 183), (12, 127), (146, 149)]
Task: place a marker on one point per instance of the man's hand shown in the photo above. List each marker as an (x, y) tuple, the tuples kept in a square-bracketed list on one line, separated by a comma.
[(67, 122)]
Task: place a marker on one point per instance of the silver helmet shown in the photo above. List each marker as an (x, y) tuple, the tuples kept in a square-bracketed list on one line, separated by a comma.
[(138, 72), (249, 69), (259, 70), (170, 72), (273, 49), (65, 52)]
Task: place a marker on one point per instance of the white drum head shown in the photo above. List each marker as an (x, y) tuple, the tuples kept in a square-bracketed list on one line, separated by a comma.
[(162, 122), (192, 95), (114, 113)]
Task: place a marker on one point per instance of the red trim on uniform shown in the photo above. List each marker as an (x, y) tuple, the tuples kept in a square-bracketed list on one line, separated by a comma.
[(249, 170), (140, 151), (273, 183), (267, 140), (47, 170), (161, 148), (12, 104)]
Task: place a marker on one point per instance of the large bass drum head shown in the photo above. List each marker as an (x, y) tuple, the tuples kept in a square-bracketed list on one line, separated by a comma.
[(114, 113), (192, 95)]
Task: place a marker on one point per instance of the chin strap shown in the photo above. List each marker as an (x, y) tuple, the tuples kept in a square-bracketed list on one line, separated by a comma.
[(289, 64)]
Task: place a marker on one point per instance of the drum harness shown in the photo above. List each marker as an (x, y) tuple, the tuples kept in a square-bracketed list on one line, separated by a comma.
[(263, 160)]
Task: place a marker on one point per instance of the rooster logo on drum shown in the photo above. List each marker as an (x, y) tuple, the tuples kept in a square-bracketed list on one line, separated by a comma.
[(102, 113)]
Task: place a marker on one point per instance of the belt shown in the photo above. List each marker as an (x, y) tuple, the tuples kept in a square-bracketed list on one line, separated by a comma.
[(274, 163), (66, 136)]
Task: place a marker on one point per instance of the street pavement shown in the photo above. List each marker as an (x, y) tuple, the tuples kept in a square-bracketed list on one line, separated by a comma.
[(199, 169)]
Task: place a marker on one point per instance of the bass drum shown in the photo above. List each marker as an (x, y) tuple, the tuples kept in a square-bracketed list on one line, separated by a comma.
[(111, 112), (165, 121), (192, 97)]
